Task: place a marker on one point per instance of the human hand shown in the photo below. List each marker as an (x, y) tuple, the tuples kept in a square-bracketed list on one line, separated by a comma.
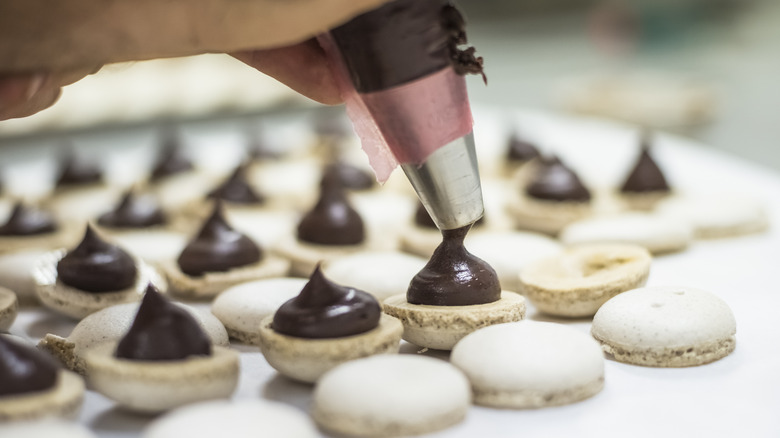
[(46, 45)]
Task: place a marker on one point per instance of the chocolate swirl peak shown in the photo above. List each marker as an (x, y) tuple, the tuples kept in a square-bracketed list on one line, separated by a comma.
[(28, 221), (453, 276), (520, 150), (162, 331), (170, 162), (75, 172), (554, 181), (332, 221), (236, 189), (351, 177), (325, 309), (134, 211), (217, 248), (24, 369), (97, 266), (646, 176)]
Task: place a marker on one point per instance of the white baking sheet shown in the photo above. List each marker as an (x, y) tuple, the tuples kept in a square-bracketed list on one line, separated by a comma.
[(736, 396)]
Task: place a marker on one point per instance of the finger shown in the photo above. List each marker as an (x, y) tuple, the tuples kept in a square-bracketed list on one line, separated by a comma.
[(302, 67), (22, 95)]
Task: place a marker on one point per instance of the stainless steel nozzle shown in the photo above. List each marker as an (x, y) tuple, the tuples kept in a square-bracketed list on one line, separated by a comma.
[(448, 184)]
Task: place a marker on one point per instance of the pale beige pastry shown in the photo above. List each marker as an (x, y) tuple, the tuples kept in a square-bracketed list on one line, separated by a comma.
[(578, 281), (9, 307), (380, 273)]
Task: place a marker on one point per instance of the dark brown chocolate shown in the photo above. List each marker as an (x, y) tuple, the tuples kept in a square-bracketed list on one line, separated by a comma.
[(217, 248), (77, 172), (424, 220), (325, 309), (454, 276), (23, 369), (519, 150), (351, 177), (134, 211), (554, 181), (402, 41), (236, 189), (26, 220), (332, 221), (162, 331), (97, 266), (170, 162), (646, 176)]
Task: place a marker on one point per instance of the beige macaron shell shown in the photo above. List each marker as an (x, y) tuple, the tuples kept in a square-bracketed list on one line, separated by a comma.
[(391, 395), (715, 216), (659, 234), (16, 273), (76, 303), (243, 307), (658, 320), (45, 428), (508, 252), (578, 281), (152, 246), (63, 400), (238, 419), (530, 364), (380, 273), (441, 327), (110, 325), (9, 307), (304, 256), (306, 360), (548, 217), (156, 386), (264, 226), (420, 241)]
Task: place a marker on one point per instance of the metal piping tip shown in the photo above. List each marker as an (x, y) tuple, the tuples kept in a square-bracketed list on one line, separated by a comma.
[(448, 184)]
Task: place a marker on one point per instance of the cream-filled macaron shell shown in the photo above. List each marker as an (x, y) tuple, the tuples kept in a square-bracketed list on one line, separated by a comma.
[(530, 364), (508, 252), (16, 273), (157, 386), (391, 395), (305, 359), (578, 281), (62, 400), (233, 419), (715, 216), (659, 234), (212, 284), (548, 217), (380, 273), (110, 325), (441, 327), (76, 303), (242, 308), (9, 307), (45, 428), (665, 326)]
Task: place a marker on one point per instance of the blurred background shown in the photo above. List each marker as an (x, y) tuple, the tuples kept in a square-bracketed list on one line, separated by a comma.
[(706, 69)]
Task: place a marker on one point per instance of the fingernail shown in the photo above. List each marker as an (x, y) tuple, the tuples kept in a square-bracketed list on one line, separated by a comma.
[(35, 85)]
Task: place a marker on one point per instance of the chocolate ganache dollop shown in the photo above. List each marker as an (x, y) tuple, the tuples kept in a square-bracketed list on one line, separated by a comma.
[(217, 248), (520, 150), (170, 162), (134, 211), (325, 309), (77, 172), (454, 276), (162, 331), (97, 266), (554, 181), (28, 221), (24, 369), (236, 189), (351, 177), (646, 176), (332, 221)]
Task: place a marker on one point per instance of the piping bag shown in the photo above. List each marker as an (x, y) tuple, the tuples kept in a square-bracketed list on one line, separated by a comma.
[(400, 72)]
